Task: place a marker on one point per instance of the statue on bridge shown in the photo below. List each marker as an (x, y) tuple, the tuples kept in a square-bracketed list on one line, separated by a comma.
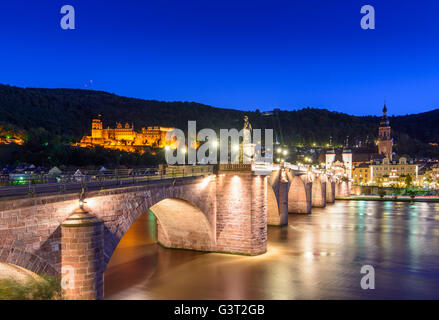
[(248, 148), (247, 124)]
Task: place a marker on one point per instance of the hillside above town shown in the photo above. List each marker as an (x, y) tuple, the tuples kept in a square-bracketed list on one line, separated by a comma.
[(64, 116)]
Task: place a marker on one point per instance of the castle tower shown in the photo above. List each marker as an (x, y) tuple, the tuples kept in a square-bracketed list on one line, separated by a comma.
[(385, 142), (347, 160), (96, 129)]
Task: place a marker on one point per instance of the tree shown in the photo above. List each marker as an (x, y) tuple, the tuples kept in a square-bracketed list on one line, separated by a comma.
[(379, 181), (408, 181)]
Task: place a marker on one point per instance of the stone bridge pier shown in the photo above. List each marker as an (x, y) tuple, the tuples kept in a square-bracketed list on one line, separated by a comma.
[(330, 190), (319, 191), (277, 199), (342, 189)]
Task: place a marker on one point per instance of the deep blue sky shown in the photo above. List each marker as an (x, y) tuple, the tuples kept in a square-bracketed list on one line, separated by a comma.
[(235, 54)]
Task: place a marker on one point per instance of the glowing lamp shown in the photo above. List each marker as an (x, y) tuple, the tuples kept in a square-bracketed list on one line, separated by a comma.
[(82, 201)]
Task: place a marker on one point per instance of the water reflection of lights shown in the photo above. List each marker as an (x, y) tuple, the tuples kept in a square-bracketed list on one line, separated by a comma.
[(310, 254), (313, 261)]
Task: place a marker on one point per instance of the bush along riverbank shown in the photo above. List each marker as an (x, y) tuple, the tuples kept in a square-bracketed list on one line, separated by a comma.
[(42, 288)]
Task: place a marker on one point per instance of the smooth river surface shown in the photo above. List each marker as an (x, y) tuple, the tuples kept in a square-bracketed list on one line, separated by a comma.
[(318, 256)]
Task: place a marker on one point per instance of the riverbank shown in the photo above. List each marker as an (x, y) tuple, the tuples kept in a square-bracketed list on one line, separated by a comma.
[(392, 198)]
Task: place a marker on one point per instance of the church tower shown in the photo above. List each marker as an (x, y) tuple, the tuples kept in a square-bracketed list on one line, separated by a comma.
[(385, 142)]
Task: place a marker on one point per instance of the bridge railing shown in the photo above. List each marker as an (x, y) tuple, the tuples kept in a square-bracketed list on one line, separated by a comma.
[(31, 185)]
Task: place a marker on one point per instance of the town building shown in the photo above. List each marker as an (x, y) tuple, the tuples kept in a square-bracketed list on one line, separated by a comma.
[(361, 174), (388, 173), (433, 177)]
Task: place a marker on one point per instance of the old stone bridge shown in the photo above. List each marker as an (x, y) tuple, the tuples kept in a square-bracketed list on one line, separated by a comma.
[(225, 211)]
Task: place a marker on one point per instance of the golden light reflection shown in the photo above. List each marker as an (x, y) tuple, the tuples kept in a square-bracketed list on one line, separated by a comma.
[(205, 182), (91, 203)]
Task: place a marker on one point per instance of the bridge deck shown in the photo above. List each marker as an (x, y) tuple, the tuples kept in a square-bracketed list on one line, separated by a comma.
[(98, 183)]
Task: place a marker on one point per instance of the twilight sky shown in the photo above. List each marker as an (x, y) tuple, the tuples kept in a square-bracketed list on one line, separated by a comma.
[(231, 53)]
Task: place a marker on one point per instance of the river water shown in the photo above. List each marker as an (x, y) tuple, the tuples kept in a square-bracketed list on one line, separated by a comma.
[(317, 256)]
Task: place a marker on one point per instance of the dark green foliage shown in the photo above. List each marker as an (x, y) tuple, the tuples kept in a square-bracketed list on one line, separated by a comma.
[(46, 288), (408, 181)]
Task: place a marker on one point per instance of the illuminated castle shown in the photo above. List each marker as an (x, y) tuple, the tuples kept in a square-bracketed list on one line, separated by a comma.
[(125, 138)]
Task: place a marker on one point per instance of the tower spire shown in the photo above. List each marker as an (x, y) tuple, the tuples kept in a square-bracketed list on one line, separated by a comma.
[(385, 142)]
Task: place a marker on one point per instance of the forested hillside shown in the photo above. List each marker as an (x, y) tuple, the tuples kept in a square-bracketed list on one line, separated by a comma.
[(65, 115)]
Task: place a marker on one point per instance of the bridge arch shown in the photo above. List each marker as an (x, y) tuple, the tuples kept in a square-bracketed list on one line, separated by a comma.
[(299, 194), (273, 214), (272, 198), (181, 224), (185, 217)]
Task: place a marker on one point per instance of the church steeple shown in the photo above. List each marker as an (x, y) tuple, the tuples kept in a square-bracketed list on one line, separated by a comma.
[(385, 142), (384, 120)]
